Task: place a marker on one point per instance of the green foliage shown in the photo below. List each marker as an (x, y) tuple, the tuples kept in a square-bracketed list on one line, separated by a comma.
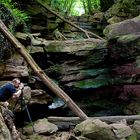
[(75, 7), (65, 6), (90, 5), (20, 16)]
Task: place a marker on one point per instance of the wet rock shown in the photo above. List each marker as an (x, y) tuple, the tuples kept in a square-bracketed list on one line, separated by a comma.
[(64, 126)]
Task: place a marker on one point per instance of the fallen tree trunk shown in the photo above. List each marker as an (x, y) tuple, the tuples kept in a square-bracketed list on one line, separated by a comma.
[(36, 41), (104, 118), (65, 20), (45, 79)]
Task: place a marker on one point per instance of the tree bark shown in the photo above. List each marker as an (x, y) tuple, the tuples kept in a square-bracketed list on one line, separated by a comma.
[(47, 81), (69, 22), (104, 118)]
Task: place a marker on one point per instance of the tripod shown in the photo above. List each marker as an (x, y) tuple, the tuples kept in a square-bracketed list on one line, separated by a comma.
[(23, 106)]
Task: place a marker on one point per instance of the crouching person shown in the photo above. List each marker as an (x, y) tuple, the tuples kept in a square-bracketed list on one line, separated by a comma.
[(13, 89), (8, 90)]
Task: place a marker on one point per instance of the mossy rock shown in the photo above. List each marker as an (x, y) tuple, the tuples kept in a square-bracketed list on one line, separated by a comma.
[(123, 8)]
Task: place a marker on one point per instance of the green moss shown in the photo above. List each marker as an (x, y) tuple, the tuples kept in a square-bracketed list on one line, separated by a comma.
[(133, 137), (55, 47), (128, 38), (36, 137), (52, 26), (124, 8), (16, 16), (101, 80), (93, 72), (106, 31)]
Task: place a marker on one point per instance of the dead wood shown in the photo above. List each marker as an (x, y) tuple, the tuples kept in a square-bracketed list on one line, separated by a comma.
[(104, 118), (36, 41)]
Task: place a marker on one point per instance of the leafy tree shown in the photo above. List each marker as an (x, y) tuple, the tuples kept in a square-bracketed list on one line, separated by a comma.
[(71, 7), (90, 5), (65, 6)]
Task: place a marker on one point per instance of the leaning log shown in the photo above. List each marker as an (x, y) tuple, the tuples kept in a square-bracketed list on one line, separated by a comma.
[(41, 74), (104, 118)]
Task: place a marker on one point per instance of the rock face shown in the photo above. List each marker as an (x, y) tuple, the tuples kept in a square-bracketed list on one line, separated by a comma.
[(14, 67), (100, 69), (72, 62), (123, 56)]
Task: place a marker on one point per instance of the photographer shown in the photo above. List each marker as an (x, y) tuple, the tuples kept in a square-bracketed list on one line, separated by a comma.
[(11, 89)]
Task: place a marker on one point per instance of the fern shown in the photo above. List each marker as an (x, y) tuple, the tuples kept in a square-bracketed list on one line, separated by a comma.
[(19, 15)]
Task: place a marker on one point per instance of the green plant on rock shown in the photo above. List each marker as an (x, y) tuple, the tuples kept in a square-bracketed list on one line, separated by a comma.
[(20, 17)]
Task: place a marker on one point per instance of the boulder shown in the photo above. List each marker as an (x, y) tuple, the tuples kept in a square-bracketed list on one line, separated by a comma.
[(42, 127), (121, 130), (122, 28), (136, 127), (94, 129), (39, 96)]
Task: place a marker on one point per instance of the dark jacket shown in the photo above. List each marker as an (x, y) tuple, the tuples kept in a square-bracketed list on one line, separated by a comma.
[(6, 91)]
